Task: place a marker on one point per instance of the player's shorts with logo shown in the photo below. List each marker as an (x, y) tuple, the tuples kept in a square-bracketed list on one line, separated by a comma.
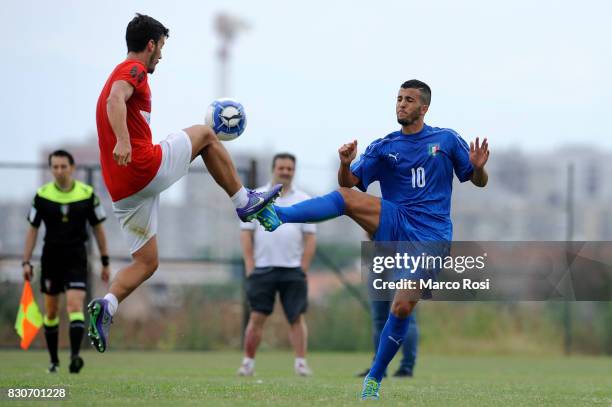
[(63, 268), (406, 234), (137, 214), (291, 285)]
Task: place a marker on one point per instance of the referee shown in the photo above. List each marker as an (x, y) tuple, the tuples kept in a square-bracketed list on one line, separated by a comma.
[(65, 206)]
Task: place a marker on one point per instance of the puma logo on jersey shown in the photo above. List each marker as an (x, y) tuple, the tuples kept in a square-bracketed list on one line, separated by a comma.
[(394, 156)]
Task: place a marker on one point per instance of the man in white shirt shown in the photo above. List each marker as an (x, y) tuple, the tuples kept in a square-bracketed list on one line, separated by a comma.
[(278, 262)]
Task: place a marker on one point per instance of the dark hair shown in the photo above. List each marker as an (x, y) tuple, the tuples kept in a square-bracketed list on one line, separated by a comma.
[(61, 153), (422, 87), (141, 30), (282, 156)]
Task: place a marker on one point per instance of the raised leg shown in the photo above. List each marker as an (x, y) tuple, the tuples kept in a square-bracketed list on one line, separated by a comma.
[(144, 263), (205, 143)]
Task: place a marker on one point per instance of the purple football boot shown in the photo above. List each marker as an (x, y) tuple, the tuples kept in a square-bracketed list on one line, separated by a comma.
[(257, 202)]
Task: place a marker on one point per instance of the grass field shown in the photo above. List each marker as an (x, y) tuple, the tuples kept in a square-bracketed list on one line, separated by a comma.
[(208, 378)]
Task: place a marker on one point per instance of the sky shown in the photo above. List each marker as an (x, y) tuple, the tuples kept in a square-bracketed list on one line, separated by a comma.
[(312, 75)]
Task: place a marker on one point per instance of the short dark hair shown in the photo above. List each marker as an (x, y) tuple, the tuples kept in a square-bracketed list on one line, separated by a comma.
[(282, 156), (61, 153), (422, 87), (141, 30)]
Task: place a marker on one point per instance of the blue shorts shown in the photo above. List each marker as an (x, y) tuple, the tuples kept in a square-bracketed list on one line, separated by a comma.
[(397, 225)]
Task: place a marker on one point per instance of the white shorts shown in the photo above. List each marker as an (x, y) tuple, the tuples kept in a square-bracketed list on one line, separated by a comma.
[(137, 213)]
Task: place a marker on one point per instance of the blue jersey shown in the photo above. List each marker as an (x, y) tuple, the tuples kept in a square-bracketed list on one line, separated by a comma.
[(415, 172)]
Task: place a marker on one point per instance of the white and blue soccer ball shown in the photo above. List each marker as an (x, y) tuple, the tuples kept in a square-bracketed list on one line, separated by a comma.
[(227, 118)]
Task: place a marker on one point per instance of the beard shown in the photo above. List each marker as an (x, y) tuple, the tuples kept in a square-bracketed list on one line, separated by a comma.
[(151, 67), (409, 119)]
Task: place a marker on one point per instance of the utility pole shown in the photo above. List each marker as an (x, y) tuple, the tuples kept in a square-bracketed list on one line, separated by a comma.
[(227, 27)]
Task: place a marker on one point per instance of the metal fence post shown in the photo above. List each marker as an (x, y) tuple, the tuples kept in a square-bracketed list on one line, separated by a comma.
[(567, 309)]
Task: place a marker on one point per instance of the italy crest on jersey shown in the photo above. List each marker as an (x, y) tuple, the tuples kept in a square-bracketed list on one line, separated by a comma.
[(433, 148)]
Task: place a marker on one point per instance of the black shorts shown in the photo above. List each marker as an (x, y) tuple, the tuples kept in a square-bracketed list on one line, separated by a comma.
[(291, 285), (63, 268)]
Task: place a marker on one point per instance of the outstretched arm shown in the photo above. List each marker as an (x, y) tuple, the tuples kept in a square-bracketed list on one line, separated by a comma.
[(347, 154), (479, 155), (116, 110)]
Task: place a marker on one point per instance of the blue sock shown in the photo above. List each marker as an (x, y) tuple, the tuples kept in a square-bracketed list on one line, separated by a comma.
[(313, 210), (391, 339)]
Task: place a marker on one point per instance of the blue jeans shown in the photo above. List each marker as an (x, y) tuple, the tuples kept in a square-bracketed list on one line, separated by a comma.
[(380, 313)]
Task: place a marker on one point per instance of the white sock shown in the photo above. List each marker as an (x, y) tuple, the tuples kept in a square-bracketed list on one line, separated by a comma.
[(300, 361), (240, 198), (250, 362), (113, 303)]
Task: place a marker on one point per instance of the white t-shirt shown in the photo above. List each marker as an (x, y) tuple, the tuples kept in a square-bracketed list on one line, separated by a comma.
[(285, 246)]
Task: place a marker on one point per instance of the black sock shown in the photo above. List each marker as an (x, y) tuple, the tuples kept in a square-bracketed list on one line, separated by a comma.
[(76, 336), (51, 335)]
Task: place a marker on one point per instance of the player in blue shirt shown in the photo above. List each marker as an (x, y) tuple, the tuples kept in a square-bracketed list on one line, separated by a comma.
[(415, 168)]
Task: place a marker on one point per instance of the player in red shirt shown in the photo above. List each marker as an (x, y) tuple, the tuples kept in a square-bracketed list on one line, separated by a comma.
[(136, 171)]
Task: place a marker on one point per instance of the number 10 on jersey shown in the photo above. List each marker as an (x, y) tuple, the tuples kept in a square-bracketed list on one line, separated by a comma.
[(418, 177)]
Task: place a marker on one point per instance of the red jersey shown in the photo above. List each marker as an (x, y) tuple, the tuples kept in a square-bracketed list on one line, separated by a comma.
[(122, 182)]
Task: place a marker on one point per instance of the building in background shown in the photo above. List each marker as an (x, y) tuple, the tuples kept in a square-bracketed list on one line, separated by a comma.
[(524, 200)]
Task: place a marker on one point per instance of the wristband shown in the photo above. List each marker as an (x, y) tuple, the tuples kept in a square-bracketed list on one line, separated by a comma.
[(27, 263), (105, 260)]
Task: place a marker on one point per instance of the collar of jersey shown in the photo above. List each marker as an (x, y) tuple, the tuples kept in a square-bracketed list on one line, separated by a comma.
[(127, 60), (60, 190), (413, 136), (52, 192)]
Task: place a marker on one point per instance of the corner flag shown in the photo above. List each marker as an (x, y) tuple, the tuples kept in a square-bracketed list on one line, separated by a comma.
[(29, 319)]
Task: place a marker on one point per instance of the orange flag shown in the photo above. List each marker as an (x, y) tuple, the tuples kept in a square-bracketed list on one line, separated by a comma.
[(29, 319)]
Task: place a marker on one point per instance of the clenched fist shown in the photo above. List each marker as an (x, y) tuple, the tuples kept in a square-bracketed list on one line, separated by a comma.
[(348, 152), (122, 153)]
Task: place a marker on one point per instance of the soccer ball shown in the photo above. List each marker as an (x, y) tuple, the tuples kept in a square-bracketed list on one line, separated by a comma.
[(227, 118)]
